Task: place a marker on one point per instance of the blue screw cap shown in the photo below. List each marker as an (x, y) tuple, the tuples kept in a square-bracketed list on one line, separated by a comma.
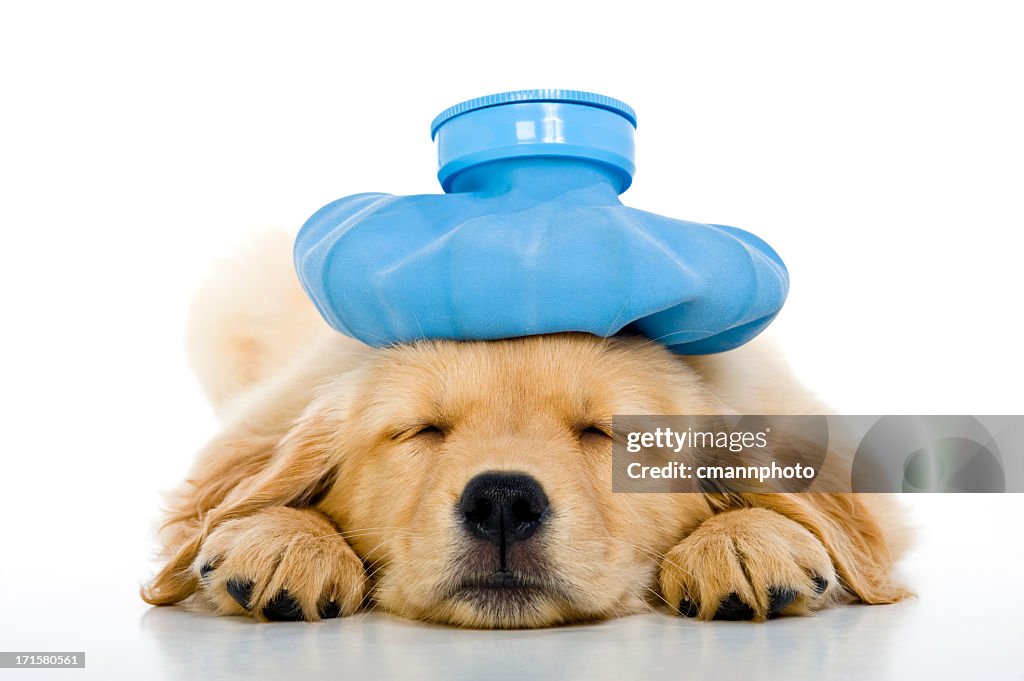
[(538, 123), (543, 95)]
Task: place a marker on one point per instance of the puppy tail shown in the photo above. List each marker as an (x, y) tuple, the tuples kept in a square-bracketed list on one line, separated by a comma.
[(249, 319)]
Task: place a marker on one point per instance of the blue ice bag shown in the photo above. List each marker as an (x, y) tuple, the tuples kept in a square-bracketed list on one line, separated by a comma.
[(530, 237)]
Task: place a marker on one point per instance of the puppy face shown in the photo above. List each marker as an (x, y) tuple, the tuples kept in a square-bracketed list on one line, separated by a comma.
[(475, 478)]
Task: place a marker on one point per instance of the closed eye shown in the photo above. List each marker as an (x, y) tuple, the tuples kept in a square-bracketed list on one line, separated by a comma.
[(422, 430), (595, 430), (428, 429)]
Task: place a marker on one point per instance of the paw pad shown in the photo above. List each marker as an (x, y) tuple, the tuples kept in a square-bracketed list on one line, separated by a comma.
[(733, 609), (688, 608), (778, 598), (283, 608), (241, 591), (207, 569)]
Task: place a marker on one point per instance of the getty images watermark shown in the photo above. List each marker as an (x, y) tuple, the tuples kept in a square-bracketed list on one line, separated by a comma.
[(747, 454)]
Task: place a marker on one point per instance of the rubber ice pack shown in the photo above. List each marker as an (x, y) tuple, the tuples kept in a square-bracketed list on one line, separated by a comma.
[(530, 237)]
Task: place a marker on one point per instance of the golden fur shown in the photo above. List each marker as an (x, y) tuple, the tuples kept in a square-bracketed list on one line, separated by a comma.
[(338, 468)]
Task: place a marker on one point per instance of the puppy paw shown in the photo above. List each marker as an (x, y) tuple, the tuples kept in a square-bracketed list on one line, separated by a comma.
[(748, 564), (280, 564)]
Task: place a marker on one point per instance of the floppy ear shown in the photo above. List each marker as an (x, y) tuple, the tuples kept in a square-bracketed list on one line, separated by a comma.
[(237, 476), (850, 533)]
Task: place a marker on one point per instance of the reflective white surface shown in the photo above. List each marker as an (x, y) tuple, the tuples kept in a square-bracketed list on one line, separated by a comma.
[(966, 623), (878, 150)]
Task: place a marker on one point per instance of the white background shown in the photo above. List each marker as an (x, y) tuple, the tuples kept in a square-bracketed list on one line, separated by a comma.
[(876, 146)]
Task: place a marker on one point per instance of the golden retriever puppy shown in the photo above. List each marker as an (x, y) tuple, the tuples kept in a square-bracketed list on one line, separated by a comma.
[(470, 482)]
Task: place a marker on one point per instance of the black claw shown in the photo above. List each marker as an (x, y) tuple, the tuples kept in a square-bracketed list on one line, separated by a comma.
[(732, 608), (778, 598), (330, 610), (206, 569), (241, 591), (820, 584), (688, 608), (283, 608)]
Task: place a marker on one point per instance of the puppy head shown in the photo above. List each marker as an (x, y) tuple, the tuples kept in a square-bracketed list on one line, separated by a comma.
[(475, 478)]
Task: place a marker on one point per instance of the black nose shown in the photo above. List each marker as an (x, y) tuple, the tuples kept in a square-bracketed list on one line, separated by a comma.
[(503, 507)]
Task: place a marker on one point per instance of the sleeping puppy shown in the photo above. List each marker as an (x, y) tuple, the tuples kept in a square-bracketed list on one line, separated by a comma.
[(470, 482)]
